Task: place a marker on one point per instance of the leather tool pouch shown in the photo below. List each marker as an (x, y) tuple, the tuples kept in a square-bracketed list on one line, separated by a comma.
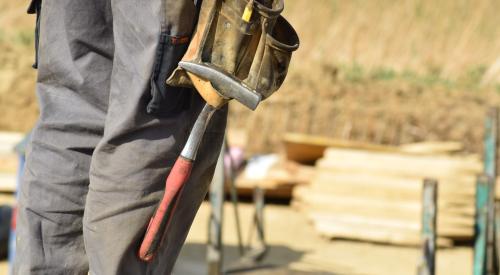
[(257, 51), (267, 75)]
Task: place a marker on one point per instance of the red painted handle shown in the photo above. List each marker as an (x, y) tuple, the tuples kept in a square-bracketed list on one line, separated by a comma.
[(158, 223)]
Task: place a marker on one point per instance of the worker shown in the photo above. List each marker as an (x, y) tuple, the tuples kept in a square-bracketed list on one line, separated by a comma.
[(110, 129)]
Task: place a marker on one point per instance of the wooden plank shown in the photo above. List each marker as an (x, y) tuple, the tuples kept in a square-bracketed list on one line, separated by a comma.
[(432, 147), (395, 224), (393, 165), (309, 148), (367, 192), (380, 234), (329, 180), (272, 189), (8, 140), (304, 148), (8, 182), (8, 163), (332, 175), (306, 194), (447, 176), (323, 197), (367, 210), (445, 220), (465, 217)]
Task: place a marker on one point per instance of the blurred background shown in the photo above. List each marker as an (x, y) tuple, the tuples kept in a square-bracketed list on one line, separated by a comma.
[(381, 95)]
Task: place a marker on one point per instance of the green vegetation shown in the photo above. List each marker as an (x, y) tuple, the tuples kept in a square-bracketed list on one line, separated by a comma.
[(353, 73), (448, 42), (470, 79), (2, 36), (24, 37), (382, 73)]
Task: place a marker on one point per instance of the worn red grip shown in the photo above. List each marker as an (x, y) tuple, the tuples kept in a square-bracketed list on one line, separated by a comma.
[(157, 225)]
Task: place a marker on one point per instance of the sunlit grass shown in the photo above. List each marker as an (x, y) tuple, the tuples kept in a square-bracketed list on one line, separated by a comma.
[(356, 73), (440, 42)]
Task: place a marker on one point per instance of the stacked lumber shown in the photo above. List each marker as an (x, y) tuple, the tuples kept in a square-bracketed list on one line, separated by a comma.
[(304, 148), (376, 195), (293, 169)]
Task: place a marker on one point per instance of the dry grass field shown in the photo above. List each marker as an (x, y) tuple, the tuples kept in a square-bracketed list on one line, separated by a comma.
[(453, 40), (383, 71), (18, 106)]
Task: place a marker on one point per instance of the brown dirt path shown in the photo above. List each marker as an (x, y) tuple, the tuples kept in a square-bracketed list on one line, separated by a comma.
[(297, 249)]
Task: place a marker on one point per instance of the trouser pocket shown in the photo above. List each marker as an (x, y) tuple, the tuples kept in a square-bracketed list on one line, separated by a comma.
[(35, 7), (168, 100)]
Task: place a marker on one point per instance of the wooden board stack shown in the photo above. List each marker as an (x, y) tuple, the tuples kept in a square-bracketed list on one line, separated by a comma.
[(375, 195)]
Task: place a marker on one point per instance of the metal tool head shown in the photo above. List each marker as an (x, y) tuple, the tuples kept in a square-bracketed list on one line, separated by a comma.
[(226, 84)]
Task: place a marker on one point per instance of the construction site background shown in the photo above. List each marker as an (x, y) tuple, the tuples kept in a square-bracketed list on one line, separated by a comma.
[(369, 73), (381, 71)]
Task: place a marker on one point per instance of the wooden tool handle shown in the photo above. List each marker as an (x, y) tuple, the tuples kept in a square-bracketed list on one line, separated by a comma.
[(159, 222)]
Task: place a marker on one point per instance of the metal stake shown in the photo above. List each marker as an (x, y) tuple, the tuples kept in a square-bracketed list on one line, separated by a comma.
[(482, 197), (490, 169), (215, 253), (429, 235)]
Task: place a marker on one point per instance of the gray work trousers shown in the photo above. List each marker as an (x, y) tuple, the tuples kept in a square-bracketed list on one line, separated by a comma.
[(109, 131)]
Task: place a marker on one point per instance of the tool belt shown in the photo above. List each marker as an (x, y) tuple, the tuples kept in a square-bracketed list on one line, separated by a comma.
[(247, 39)]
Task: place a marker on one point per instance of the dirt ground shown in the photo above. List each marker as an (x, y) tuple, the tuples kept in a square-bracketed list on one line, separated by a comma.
[(374, 112), (295, 248)]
